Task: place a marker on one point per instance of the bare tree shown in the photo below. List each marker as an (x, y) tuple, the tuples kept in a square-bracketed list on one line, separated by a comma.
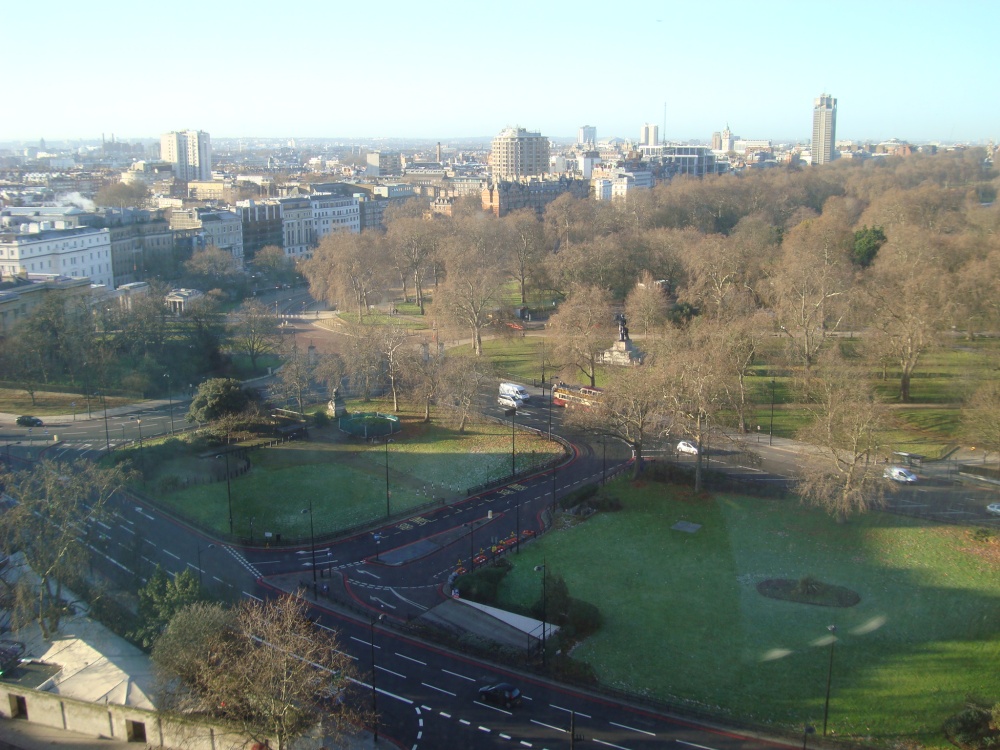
[(526, 240), (693, 389), (910, 297), (981, 418), (254, 331), (464, 379), (646, 305), (414, 244), (583, 329), (348, 266), (631, 409), (847, 418), (475, 277), (264, 668), (52, 521), (392, 341), (812, 282)]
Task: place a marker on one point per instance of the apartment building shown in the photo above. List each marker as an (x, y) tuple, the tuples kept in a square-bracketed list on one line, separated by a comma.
[(517, 153), (189, 152), (51, 248)]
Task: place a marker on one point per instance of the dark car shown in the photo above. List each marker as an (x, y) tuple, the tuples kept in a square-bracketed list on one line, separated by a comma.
[(501, 694), (26, 421)]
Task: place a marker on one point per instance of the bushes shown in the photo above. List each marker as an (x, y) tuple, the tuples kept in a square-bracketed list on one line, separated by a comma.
[(975, 726), (481, 585), (576, 497)]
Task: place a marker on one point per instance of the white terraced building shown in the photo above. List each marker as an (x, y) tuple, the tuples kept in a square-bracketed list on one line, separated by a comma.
[(44, 247)]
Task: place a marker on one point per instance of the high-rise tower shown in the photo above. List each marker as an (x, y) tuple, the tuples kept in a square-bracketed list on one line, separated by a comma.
[(518, 153), (190, 152), (824, 129)]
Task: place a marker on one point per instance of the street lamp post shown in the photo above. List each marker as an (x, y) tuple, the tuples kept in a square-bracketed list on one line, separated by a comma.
[(107, 434), (374, 692), (170, 400), (829, 675), (142, 460), (604, 460), (211, 546), (229, 491), (770, 429), (387, 441), (513, 462), (544, 572), (806, 731), (312, 539)]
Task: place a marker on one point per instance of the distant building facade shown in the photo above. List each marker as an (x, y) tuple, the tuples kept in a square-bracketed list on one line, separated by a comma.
[(824, 135), (502, 197), (650, 135), (517, 153), (43, 248), (189, 152), (587, 134)]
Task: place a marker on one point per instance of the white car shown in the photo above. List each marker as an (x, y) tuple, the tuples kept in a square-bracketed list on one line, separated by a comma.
[(993, 508), (685, 446), (509, 402), (899, 474)]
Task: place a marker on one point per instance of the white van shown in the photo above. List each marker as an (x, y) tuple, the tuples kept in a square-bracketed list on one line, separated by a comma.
[(515, 390), (509, 402)]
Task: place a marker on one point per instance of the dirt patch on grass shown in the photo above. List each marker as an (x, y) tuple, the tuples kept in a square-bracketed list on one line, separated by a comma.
[(816, 593)]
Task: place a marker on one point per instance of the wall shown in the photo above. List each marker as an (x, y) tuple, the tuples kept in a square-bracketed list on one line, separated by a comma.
[(117, 722)]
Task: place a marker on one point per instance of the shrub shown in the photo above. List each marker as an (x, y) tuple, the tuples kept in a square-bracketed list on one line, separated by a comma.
[(606, 504), (576, 497), (972, 727), (982, 534), (808, 586), (481, 585), (583, 618), (321, 418)]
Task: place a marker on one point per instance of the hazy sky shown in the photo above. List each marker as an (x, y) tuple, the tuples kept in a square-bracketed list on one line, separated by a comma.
[(915, 70)]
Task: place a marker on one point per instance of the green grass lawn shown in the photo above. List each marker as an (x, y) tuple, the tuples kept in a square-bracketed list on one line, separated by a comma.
[(683, 619), (346, 478)]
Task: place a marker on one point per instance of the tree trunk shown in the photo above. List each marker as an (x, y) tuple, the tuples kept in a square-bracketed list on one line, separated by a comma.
[(427, 409), (477, 341)]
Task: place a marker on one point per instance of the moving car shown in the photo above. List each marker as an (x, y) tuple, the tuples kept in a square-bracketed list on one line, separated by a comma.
[(685, 446), (899, 474), (509, 402), (502, 694), (28, 421), (993, 508)]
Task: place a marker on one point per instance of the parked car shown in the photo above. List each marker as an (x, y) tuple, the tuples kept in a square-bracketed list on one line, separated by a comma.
[(502, 694), (993, 508), (509, 402), (685, 446), (27, 421), (899, 474)]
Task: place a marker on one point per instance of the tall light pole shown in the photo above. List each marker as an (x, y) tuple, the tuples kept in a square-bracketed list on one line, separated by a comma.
[(544, 572), (829, 675), (312, 539), (107, 434), (374, 692), (387, 441), (229, 491), (211, 546), (770, 429), (142, 460), (170, 400), (604, 460), (513, 461)]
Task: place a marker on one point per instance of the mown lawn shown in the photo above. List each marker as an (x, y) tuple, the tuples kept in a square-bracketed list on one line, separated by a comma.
[(683, 619), (345, 478)]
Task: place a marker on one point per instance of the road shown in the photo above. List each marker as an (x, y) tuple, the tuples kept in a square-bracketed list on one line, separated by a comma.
[(426, 695)]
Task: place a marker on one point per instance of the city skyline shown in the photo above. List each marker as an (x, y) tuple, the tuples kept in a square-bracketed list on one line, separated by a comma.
[(898, 69)]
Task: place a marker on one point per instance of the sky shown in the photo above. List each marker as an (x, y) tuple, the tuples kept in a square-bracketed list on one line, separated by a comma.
[(919, 70)]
